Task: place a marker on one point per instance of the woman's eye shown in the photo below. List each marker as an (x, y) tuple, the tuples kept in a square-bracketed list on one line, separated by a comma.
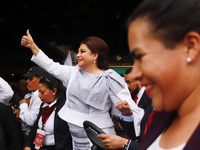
[(138, 57)]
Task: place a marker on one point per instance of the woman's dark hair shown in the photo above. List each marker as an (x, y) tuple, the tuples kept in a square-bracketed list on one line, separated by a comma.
[(51, 82), (170, 20), (99, 46)]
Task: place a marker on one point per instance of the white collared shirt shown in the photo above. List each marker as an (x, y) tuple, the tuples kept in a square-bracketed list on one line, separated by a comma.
[(140, 93), (156, 145), (49, 126), (28, 114)]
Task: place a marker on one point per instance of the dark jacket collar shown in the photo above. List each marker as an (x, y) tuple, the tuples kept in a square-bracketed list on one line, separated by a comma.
[(162, 120)]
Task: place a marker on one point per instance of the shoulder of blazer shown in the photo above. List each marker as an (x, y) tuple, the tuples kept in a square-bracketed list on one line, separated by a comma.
[(193, 142), (161, 121), (40, 112)]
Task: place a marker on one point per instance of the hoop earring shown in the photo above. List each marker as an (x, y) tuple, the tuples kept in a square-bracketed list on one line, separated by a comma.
[(189, 60)]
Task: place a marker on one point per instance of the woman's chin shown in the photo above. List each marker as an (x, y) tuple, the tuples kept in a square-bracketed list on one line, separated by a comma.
[(158, 104)]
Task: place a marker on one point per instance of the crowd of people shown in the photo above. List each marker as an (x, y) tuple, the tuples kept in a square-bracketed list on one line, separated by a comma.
[(158, 101)]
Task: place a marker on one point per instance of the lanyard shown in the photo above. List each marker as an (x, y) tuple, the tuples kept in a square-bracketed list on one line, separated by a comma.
[(45, 120)]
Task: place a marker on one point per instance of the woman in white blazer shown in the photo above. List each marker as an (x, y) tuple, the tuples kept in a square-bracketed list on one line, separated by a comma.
[(91, 88)]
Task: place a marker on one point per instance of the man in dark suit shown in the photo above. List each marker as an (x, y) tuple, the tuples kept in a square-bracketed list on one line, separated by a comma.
[(129, 129), (137, 91), (9, 127), (143, 101), (117, 142)]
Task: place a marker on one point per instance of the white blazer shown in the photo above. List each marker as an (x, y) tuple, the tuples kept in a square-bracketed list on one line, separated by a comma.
[(99, 117)]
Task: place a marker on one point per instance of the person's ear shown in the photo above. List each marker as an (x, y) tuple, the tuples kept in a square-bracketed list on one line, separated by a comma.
[(192, 42), (54, 91), (95, 55)]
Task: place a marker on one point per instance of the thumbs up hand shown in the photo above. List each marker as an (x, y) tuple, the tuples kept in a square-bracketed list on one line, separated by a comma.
[(27, 41)]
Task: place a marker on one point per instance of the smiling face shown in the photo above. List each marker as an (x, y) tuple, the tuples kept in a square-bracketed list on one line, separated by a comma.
[(85, 57), (45, 94), (159, 69)]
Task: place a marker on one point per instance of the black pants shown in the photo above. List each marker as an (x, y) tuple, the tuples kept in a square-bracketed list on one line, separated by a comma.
[(47, 147)]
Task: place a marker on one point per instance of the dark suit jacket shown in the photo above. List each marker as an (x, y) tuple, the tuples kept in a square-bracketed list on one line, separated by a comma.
[(63, 140), (10, 129), (2, 141), (145, 101), (162, 120), (129, 129)]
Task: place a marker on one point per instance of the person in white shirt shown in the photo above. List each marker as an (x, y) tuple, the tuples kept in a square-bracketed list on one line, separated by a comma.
[(6, 92), (56, 130), (29, 110)]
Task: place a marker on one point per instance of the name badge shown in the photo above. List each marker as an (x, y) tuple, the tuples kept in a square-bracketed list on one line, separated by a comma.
[(39, 138)]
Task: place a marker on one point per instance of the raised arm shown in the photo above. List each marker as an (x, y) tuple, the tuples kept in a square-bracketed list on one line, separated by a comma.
[(27, 41)]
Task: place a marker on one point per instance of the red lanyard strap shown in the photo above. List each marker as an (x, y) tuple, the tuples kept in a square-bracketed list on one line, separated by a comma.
[(46, 112)]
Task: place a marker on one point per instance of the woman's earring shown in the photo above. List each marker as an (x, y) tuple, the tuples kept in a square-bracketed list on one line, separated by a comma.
[(189, 60), (94, 60)]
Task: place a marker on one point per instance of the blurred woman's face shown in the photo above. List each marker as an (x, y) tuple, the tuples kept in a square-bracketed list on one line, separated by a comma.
[(159, 69), (45, 94)]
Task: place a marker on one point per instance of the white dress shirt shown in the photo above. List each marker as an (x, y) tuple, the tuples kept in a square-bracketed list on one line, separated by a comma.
[(156, 145), (49, 139), (28, 113), (6, 92), (139, 94)]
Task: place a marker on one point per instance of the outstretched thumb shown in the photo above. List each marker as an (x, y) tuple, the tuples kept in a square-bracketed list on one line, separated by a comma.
[(27, 33)]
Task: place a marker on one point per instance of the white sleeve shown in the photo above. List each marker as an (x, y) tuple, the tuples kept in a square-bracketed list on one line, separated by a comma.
[(138, 112), (29, 115), (6, 92), (61, 72)]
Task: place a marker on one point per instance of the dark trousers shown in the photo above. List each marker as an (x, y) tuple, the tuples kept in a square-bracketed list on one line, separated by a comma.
[(47, 147)]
